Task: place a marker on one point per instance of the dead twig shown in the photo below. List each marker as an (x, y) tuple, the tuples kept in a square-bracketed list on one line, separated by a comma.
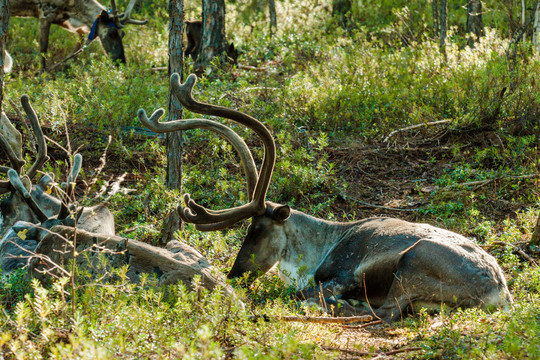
[(358, 327), (398, 351), (438, 122), (365, 353), (480, 183), (327, 319), (252, 68), (380, 206), (102, 163), (518, 250), (73, 54)]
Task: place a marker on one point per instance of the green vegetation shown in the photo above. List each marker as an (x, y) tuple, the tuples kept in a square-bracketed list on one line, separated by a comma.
[(331, 97)]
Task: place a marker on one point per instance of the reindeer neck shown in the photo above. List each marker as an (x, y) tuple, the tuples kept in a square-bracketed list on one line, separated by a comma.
[(309, 240)]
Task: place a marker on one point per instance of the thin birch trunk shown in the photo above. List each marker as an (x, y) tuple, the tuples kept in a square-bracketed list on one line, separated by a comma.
[(474, 20), (341, 10), (535, 239), (174, 140), (4, 27), (435, 12), (213, 42), (536, 29), (273, 16), (443, 28), (523, 10)]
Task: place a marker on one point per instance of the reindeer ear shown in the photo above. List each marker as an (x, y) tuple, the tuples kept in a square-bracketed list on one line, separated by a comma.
[(27, 183), (281, 213), (104, 17), (46, 182)]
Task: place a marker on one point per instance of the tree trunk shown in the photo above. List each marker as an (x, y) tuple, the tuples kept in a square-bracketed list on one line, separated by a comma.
[(435, 12), (273, 16), (174, 140), (443, 23), (523, 12), (341, 10), (536, 31), (535, 239), (213, 42), (4, 26), (474, 20)]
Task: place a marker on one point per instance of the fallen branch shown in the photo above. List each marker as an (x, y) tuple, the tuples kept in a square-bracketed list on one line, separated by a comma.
[(485, 182), (358, 327), (518, 250), (398, 351), (253, 68), (412, 127), (380, 206), (327, 319), (69, 57), (365, 353)]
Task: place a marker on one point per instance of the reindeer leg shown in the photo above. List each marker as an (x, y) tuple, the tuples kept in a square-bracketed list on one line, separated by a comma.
[(327, 295), (419, 279), (44, 29)]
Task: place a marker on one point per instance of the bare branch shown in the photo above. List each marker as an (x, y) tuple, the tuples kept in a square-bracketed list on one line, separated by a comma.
[(327, 319)]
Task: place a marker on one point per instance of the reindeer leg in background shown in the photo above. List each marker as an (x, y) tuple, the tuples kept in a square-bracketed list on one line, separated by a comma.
[(45, 22)]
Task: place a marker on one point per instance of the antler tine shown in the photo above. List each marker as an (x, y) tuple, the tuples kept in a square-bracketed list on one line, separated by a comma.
[(125, 18), (42, 156), (16, 162), (18, 185), (12, 149), (113, 8), (237, 142), (72, 177), (212, 219)]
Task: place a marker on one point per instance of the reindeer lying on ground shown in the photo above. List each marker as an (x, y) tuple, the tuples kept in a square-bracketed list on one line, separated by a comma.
[(45, 240), (29, 204), (392, 264), (81, 17), (194, 31)]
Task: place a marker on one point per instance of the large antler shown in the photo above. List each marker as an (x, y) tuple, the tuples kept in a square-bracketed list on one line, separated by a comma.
[(205, 219), (42, 156), (125, 18), (18, 185), (17, 162)]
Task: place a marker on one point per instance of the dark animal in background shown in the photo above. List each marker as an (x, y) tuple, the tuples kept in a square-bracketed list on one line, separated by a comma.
[(81, 17), (389, 264), (194, 38)]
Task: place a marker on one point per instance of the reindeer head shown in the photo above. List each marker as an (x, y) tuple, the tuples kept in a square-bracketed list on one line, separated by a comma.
[(109, 28), (264, 243), (265, 215), (27, 202)]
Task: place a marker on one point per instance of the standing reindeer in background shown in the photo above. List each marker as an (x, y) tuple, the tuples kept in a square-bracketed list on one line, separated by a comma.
[(391, 264), (29, 204), (81, 17)]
